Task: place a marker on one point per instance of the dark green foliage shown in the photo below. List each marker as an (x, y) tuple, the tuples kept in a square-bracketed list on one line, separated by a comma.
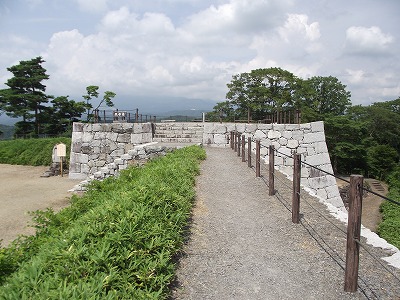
[(117, 241), (389, 228), (32, 152)]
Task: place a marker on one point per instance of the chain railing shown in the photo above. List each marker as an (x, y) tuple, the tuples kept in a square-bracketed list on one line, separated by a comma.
[(238, 143)]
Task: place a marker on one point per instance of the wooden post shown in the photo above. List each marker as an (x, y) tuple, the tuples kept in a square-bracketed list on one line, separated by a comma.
[(353, 233), (104, 116), (235, 142), (271, 170), (258, 146), (243, 148), (249, 152), (296, 189), (238, 147)]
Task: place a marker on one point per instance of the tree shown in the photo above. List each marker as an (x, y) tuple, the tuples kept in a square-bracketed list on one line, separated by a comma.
[(26, 96), (262, 91), (92, 92), (382, 159), (346, 142), (63, 113), (322, 96), (223, 111)]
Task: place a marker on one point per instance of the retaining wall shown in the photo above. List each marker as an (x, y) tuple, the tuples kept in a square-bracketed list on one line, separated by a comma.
[(97, 147)]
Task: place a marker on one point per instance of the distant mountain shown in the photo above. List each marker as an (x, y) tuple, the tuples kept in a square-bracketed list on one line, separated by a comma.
[(8, 132), (164, 105)]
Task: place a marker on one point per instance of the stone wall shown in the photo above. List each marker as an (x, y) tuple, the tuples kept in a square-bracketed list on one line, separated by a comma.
[(96, 146), (307, 139), (100, 148)]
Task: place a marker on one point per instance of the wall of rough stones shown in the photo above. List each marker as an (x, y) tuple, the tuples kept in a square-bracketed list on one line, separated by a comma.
[(307, 139), (99, 150), (97, 147)]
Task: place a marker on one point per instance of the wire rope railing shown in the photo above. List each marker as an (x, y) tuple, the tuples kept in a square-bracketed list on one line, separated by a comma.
[(350, 263)]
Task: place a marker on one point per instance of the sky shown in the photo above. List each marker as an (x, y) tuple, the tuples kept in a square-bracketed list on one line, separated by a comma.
[(192, 48)]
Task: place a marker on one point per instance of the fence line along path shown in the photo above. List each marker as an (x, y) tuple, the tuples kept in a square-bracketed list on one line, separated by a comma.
[(243, 244)]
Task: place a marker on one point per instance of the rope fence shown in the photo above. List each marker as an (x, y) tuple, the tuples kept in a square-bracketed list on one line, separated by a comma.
[(350, 262)]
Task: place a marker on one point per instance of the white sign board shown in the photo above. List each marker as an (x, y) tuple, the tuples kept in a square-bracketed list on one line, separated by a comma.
[(61, 150)]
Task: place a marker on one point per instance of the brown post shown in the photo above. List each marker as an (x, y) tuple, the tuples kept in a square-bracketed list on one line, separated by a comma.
[(104, 116), (239, 141), (258, 146), (249, 152), (235, 142), (271, 170), (243, 148), (231, 141), (353, 233), (296, 189)]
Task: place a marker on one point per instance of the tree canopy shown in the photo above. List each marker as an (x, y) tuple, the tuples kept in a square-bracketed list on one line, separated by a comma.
[(25, 98), (254, 94)]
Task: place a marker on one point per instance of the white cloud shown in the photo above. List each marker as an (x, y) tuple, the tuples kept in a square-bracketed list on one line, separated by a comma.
[(355, 76), (367, 40), (297, 25)]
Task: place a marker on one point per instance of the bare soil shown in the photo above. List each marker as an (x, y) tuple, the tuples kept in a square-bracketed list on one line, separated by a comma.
[(371, 216), (23, 190)]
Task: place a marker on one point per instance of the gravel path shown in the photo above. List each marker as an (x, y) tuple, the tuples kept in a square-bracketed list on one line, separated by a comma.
[(243, 244)]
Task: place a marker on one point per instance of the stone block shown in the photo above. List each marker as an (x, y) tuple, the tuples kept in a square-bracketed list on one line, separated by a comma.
[(259, 134), (208, 139), (79, 158), (272, 134), (74, 167), (318, 159), (77, 176), (119, 161), (99, 136), (278, 127), (147, 137), (287, 134), (100, 163), (264, 127), (283, 141), (220, 139), (317, 126), (298, 135), (320, 147), (112, 136), (240, 127), (292, 144), (136, 138), (76, 147), (117, 153), (219, 128), (87, 137), (77, 127), (314, 137), (250, 128), (124, 138), (96, 127), (332, 191)]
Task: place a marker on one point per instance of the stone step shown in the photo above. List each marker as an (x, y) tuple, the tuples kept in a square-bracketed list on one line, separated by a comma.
[(178, 140)]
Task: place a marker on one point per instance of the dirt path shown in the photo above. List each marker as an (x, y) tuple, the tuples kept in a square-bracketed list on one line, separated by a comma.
[(23, 190)]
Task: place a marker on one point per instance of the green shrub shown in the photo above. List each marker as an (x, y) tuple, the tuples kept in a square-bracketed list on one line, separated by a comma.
[(117, 241), (389, 228), (33, 152)]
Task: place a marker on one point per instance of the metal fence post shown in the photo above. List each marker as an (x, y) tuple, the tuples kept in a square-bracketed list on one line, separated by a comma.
[(249, 152), (243, 148), (353, 233), (296, 189), (271, 170), (258, 146)]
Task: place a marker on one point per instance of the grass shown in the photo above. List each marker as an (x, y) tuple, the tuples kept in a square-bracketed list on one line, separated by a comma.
[(33, 152), (117, 241), (389, 228)]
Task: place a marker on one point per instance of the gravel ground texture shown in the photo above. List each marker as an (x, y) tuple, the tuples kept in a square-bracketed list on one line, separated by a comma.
[(243, 244)]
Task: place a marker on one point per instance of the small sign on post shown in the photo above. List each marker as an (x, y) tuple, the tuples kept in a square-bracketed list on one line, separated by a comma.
[(61, 153)]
